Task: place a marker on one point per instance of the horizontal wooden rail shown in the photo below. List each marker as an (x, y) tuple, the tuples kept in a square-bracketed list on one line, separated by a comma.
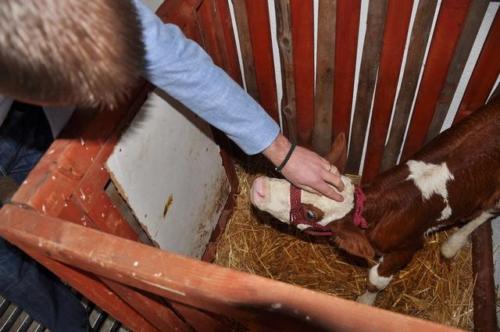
[(252, 299)]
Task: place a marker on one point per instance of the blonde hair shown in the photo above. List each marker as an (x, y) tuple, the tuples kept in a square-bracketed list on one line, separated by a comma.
[(72, 52)]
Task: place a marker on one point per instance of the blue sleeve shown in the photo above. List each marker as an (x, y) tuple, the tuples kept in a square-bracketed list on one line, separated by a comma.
[(183, 69)]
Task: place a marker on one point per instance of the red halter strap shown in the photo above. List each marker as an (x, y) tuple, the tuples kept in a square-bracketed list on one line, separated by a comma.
[(298, 216), (358, 218)]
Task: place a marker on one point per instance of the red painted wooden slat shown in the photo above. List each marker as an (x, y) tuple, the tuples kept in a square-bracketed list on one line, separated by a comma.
[(231, 65), (260, 36), (396, 30), (95, 291), (303, 62), (150, 307), (370, 61), (208, 31), (213, 288), (485, 73), (414, 59), (449, 25), (472, 24), (325, 67), (346, 38)]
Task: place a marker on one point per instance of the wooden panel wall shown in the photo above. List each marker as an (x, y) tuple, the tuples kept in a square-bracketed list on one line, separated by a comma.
[(411, 62)]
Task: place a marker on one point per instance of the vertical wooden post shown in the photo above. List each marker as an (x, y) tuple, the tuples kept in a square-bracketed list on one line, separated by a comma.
[(415, 57), (448, 28), (302, 17), (396, 31), (323, 103), (285, 43), (367, 80)]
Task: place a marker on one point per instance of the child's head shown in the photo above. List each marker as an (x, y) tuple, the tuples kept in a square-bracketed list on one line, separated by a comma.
[(69, 52)]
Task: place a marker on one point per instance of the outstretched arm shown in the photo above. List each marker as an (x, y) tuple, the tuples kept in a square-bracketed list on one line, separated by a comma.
[(184, 70)]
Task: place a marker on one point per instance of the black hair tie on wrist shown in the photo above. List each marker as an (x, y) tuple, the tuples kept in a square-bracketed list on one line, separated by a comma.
[(288, 155)]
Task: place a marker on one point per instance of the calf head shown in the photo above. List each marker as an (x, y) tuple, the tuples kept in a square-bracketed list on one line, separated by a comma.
[(272, 195), (275, 196)]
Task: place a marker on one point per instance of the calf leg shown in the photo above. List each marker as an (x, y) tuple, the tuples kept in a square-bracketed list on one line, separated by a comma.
[(381, 274), (455, 242)]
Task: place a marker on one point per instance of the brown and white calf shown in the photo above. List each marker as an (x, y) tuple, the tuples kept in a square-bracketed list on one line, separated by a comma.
[(453, 180)]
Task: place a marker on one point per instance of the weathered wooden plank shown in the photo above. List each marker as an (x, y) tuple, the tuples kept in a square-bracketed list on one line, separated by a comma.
[(471, 27), (264, 302), (208, 30), (95, 291), (303, 66), (241, 18), (367, 79), (414, 60), (448, 28), (285, 44), (323, 103), (346, 35), (485, 73), (396, 31), (260, 37), (225, 37), (484, 314)]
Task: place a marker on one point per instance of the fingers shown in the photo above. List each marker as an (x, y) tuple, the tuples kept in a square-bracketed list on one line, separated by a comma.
[(333, 177), (329, 192)]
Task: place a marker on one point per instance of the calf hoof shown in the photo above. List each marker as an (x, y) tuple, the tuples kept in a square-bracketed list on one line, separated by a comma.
[(367, 298), (450, 248)]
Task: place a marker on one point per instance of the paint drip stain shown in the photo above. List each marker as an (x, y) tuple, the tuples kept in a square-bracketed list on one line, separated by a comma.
[(168, 204)]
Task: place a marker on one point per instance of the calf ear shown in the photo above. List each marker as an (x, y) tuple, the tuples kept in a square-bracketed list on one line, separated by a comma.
[(338, 153), (353, 240)]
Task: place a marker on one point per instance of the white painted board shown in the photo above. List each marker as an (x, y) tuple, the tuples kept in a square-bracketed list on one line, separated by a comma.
[(168, 154)]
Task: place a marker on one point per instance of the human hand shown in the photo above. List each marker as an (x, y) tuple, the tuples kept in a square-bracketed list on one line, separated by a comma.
[(306, 169)]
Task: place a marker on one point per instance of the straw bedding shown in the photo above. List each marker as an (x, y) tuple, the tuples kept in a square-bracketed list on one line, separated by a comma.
[(428, 287)]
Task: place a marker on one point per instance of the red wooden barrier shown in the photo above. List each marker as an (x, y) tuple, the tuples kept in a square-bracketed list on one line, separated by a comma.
[(303, 65), (484, 75), (448, 28), (346, 34), (260, 36), (396, 30)]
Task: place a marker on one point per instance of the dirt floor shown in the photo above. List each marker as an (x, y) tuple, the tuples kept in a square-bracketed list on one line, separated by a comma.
[(429, 288)]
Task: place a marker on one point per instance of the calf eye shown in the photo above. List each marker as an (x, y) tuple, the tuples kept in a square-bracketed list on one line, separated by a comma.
[(310, 215)]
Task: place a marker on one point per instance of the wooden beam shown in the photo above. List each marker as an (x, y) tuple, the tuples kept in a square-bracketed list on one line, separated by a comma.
[(225, 37), (449, 25), (241, 18), (485, 316), (285, 44), (260, 37), (484, 75), (323, 103), (372, 48), (303, 67), (95, 291), (414, 60), (396, 31), (255, 299), (464, 46), (346, 34)]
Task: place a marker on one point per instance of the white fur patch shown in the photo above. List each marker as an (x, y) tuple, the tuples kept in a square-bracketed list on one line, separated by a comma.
[(433, 229), (303, 226), (377, 280), (367, 298), (277, 201), (333, 210), (459, 238), (431, 179)]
